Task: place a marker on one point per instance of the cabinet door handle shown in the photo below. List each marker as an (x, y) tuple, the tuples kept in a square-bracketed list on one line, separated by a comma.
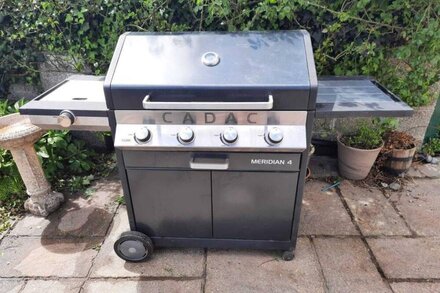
[(209, 165)]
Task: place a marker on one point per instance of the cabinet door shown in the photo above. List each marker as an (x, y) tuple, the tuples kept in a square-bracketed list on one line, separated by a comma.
[(253, 205), (172, 203)]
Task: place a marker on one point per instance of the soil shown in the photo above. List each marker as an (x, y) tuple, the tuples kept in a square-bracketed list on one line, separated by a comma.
[(398, 140)]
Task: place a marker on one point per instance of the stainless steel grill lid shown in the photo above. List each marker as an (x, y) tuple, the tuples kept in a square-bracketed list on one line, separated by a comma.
[(162, 61), (212, 67)]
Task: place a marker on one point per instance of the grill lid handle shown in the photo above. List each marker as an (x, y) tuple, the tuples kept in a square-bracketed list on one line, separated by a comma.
[(150, 105)]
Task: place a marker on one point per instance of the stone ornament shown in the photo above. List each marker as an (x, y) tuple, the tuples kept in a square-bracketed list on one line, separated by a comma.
[(18, 135)]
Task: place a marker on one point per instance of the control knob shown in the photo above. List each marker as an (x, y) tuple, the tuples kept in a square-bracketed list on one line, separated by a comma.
[(274, 136), (142, 135), (66, 118), (229, 135), (185, 135)]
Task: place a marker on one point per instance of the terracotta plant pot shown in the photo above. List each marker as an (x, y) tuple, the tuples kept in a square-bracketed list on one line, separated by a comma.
[(399, 160), (355, 163)]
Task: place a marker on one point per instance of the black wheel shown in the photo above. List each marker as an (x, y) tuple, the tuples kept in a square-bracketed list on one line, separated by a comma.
[(288, 255), (134, 246)]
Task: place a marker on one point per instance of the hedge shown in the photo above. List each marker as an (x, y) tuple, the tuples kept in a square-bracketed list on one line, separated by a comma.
[(398, 42)]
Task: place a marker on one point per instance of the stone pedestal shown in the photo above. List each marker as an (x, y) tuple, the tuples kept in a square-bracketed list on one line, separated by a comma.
[(18, 135)]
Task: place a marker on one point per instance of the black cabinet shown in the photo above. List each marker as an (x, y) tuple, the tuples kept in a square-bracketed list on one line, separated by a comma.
[(172, 200), (253, 205), (171, 203)]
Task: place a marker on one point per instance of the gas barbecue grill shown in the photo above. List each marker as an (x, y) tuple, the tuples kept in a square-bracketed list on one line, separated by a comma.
[(211, 132)]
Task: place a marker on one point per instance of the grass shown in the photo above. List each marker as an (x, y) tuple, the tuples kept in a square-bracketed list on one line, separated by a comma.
[(120, 200)]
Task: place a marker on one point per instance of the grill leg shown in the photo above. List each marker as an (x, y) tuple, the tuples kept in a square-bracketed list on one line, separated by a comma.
[(288, 255)]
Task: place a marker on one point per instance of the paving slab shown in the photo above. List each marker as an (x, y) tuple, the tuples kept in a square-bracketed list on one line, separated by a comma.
[(127, 286), (264, 271), (420, 170), (35, 257), (406, 287), (347, 266), (419, 204), (402, 258), (323, 213), (372, 211), (11, 286), (65, 286), (164, 262), (80, 216)]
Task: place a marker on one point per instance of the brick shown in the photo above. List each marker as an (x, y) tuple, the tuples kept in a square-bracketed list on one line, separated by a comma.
[(419, 204), (347, 266), (164, 262), (323, 212), (372, 211), (35, 257), (264, 271), (78, 217), (126, 286), (408, 257)]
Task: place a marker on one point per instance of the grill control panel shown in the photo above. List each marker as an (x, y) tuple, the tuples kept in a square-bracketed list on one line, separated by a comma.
[(281, 138)]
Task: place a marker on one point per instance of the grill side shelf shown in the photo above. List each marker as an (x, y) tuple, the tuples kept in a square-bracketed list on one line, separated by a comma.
[(81, 96), (340, 97)]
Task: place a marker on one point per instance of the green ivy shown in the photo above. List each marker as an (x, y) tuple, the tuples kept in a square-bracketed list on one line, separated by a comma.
[(396, 41)]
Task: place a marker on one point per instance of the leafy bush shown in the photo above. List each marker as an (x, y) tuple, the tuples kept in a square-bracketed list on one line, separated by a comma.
[(367, 136), (61, 154), (10, 181), (432, 147), (6, 107), (396, 41)]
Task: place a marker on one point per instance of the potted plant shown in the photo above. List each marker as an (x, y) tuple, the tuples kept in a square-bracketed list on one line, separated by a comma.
[(358, 151), (398, 152), (432, 147)]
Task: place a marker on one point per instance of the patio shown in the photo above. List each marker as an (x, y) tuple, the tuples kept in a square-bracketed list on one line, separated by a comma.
[(352, 239)]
